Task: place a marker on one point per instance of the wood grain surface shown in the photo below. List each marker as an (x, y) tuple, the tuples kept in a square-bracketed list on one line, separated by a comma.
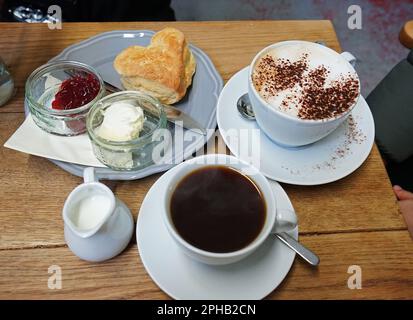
[(351, 221), (384, 257)]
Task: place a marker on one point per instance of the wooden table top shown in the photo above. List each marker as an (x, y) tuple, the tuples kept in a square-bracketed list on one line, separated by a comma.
[(354, 221)]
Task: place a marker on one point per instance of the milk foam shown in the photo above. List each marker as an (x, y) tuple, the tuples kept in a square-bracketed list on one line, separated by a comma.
[(288, 99)]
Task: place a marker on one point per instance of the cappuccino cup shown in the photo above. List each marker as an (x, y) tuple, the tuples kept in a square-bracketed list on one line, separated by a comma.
[(301, 91)]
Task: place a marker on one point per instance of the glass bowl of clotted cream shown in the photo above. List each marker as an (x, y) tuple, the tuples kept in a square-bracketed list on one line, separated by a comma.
[(128, 130)]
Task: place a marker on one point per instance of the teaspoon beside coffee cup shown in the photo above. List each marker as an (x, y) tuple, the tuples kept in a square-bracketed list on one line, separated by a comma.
[(245, 108), (287, 221)]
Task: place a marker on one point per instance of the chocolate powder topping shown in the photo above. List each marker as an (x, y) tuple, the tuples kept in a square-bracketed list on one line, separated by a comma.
[(278, 75), (314, 98)]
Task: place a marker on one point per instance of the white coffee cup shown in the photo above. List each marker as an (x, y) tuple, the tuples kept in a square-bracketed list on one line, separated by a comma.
[(274, 218), (284, 128)]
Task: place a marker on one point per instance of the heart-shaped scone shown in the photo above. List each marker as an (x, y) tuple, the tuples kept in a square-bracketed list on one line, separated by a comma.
[(164, 69)]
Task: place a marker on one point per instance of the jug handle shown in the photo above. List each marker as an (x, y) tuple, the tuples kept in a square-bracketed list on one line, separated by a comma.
[(89, 175)]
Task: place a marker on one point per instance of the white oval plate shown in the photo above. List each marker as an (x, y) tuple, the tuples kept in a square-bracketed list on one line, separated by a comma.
[(183, 278), (324, 161)]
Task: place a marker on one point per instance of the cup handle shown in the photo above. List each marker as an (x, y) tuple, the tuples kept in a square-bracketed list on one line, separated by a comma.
[(89, 175), (349, 57), (285, 221)]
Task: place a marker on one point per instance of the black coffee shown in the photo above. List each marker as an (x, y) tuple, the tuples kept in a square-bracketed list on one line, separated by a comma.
[(217, 209)]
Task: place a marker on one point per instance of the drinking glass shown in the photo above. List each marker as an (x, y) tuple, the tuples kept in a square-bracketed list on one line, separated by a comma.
[(6, 84)]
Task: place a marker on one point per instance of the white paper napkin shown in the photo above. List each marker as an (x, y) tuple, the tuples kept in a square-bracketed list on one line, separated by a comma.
[(29, 138)]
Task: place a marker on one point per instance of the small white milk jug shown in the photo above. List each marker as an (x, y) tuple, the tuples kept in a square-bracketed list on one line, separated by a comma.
[(97, 225)]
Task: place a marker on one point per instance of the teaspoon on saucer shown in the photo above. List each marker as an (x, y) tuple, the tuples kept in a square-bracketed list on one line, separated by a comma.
[(300, 249), (286, 222), (245, 108)]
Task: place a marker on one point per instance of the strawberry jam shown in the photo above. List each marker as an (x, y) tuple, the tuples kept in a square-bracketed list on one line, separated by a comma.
[(76, 92)]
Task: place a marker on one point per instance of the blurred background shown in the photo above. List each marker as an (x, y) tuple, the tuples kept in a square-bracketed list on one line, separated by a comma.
[(376, 45)]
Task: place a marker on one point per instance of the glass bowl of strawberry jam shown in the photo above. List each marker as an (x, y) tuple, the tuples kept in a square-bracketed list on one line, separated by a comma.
[(60, 94)]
